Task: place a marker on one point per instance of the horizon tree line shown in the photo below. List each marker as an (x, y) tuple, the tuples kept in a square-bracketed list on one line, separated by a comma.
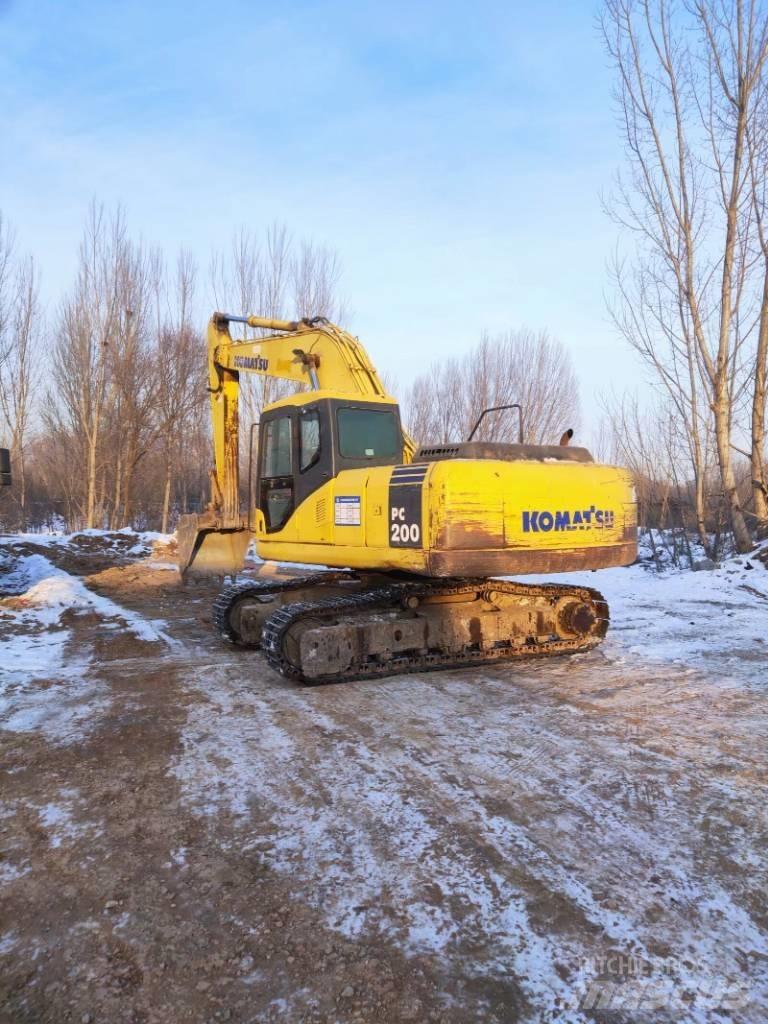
[(113, 430)]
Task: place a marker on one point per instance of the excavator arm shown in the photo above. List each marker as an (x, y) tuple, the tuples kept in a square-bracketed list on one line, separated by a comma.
[(311, 352)]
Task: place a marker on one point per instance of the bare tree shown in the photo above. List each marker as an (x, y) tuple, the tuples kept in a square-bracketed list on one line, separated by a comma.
[(6, 275), (316, 272), (126, 435), (689, 82), (91, 320), (179, 372), (757, 139), (255, 277), (132, 401), (650, 439), (18, 373), (19, 331), (531, 369), (273, 277)]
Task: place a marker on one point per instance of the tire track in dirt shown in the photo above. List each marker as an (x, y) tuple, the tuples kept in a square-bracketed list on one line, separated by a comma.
[(224, 845), (138, 909), (626, 871)]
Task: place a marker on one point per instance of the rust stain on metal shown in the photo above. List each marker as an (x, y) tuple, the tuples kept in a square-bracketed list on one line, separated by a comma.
[(516, 561), (469, 535)]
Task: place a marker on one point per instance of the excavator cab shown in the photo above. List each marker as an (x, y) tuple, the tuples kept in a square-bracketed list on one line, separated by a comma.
[(307, 440), (304, 441)]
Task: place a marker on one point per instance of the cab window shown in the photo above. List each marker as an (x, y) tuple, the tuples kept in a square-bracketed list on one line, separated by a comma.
[(368, 434), (276, 460), (309, 439)]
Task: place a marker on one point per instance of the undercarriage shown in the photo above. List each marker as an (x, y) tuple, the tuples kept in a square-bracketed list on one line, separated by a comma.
[(336, 626)]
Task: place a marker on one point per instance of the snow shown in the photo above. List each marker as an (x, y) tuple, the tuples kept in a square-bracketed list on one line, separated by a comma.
[(713, 620), (373, 873), (148, 537), (467, 805), (52, 591), (58, 819), (34, 646), (62, 821), (7, 942), (514, 823), (44, 686), (117, 540), (412, 837)]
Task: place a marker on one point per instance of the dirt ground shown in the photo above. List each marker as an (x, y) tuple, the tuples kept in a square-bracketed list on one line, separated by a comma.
[(187, 837)]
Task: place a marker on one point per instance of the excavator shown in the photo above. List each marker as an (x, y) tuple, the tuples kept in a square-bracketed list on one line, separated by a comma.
[(414, 544)]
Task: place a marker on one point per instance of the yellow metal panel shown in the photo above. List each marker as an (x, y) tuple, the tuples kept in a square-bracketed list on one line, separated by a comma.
[(504, 515), (556, 506), (529, 504), (364, 546), (467, 504)]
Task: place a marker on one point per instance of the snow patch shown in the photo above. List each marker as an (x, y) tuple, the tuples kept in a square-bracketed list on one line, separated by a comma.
[(44, 687), (468, 818), (8, 941), (58, 821), (713, 620), (52, 591)]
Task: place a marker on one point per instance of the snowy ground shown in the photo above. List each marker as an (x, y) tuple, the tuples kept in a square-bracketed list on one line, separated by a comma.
[(712, 620), (189, 837)]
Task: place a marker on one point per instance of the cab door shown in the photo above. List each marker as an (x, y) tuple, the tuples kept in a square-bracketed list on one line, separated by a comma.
[(276, 496), (295, 460), (314, 468)]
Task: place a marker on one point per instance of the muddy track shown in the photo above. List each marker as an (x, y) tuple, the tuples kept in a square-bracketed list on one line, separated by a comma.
[(215, 843)]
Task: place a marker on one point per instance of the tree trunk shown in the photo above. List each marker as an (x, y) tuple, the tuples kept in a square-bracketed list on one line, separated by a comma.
[(22, 490), (90, 509), (127, 492), (723, 439), (166, 497), (117, 493), (757, 463), (701, 512)]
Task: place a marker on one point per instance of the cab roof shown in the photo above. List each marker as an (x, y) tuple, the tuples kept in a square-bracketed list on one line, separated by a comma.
[(309, 397)]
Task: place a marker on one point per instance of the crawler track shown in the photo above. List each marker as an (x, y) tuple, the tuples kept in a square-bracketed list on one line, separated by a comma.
[(393, 603), (235, 594)]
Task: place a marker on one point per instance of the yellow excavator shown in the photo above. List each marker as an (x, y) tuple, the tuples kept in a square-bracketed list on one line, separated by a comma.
[(412, 540)]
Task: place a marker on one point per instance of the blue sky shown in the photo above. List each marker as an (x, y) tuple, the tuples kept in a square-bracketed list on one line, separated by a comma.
[(454, 153)]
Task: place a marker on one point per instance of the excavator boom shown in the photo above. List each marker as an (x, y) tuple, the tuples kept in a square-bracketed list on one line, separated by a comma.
[(314, 354)]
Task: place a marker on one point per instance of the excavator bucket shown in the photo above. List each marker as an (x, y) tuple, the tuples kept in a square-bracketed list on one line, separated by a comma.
[(204, 549)]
